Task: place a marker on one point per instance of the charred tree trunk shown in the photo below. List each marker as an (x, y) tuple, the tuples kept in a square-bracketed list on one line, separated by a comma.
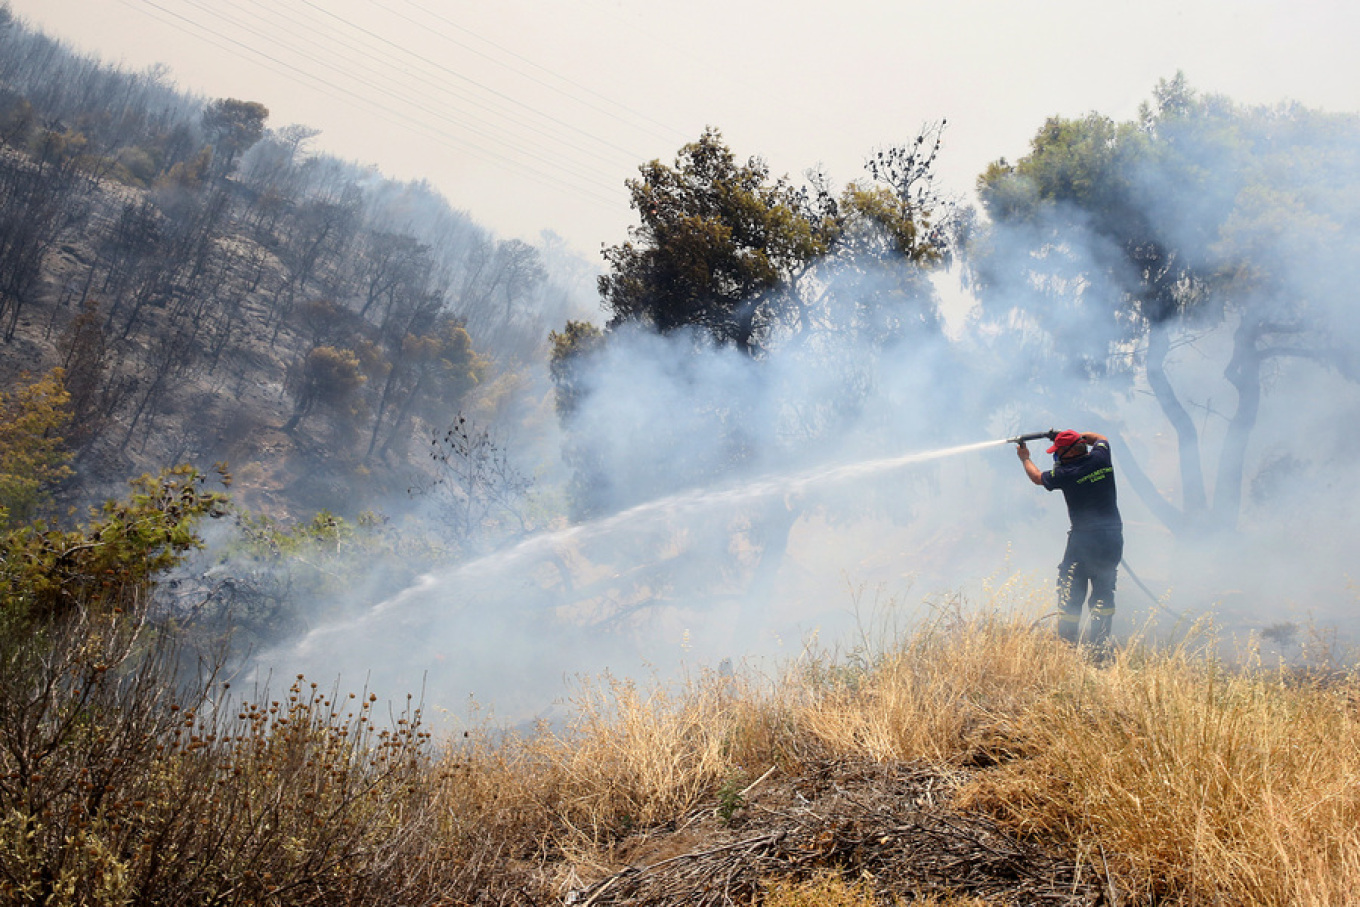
[(1130, 471)]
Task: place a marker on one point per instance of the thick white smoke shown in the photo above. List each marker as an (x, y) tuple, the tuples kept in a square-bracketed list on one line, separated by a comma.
[(726, 531)]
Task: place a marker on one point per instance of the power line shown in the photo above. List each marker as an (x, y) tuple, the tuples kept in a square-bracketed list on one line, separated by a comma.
[(475, 126), (457, 75), (663, 131), (438, 85), (382, 112), (329, 89)]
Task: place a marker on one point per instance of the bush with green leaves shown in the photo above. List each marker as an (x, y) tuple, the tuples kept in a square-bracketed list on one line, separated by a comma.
[(130, 773), (32, 455)]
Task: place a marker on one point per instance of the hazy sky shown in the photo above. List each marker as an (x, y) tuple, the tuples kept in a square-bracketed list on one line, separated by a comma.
[(530, 115)]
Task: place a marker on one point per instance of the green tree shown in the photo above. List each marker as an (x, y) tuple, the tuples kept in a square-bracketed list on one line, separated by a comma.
[(749, 262), (58, 151), (569, 363), (882, 236), (753, 263), (435, 367), (1112, 241), (745, 259), (233, 126), (272, 581), (717, 240), (111, 562), (33, 457), (329, 377)]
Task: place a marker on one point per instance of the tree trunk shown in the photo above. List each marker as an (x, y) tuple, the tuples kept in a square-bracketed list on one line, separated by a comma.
[(383, 402), (1130, 472), (403, 412), (1244, 373), (1194, 499)]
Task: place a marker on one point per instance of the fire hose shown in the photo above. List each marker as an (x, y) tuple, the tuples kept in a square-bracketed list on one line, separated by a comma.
[(1033, 436)]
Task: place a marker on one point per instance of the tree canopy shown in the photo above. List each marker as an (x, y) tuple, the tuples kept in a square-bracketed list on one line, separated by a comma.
[(233, 126), (716, 238), (32, 455), (1110, 240), (725, 249)]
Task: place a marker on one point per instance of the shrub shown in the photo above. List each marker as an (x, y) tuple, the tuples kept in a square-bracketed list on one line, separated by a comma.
[(32, 457), (128, 773)]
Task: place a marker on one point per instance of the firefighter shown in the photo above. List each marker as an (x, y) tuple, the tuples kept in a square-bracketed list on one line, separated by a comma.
[(1095, 543)]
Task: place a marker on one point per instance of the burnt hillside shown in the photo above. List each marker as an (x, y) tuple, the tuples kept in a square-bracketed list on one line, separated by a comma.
[(215, 292)]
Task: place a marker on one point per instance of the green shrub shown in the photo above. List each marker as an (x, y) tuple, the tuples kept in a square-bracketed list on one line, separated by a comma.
[(130, 774)]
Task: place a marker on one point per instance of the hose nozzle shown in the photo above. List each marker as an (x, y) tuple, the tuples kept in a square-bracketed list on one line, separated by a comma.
[(1033, 436)]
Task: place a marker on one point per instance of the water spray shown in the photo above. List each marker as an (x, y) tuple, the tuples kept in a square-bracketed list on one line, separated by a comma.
[(517, 556)]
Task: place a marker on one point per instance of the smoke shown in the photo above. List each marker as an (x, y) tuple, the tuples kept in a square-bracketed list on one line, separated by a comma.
[(1254, 211), (747, 505)]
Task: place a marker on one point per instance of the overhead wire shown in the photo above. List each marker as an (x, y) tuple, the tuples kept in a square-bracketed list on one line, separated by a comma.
[(330, 89), (457, 75), (442, 86), (395, 93), (662, 130), (427, 112)]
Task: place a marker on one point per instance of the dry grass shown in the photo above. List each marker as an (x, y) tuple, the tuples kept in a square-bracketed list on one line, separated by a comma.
[(946, 694), (635, 758), (1196, 783), (830, 890), (1178, 778), (1171, 777)]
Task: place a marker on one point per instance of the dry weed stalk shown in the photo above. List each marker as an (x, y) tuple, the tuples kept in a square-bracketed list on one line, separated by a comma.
[(223, 802)]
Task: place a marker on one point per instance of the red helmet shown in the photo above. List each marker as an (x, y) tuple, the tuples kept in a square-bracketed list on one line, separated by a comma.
[(1064, 440)]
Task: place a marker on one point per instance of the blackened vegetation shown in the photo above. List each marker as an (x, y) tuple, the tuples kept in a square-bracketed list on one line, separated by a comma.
[(890, 826), (216, 291), (40, 197), (480, 494)]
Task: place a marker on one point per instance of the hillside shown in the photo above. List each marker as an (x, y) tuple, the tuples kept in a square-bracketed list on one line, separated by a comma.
[(216, 293), (338, 708)]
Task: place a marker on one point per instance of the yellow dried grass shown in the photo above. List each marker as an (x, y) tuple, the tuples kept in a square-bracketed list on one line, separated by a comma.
[(1181, 778), (1198, 781)]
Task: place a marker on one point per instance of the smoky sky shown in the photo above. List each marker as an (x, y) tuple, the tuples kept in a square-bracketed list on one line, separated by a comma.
[(716, 539)]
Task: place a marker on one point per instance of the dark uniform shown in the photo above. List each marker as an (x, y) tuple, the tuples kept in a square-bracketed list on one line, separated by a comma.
[(1095, 544)]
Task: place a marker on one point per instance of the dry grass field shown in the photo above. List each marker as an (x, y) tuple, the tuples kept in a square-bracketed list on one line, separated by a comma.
[(975, 760)]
